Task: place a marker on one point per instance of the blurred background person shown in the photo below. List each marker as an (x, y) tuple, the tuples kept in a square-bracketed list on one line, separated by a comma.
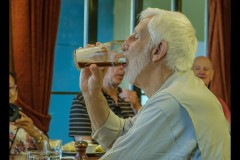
[(123, 102), (203, 69), (23, 134)]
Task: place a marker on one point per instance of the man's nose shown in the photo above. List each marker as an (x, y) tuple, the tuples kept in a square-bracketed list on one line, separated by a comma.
[(125, 45), (202, 71)]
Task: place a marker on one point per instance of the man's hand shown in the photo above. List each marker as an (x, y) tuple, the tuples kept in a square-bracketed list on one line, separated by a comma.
[(131, 97), (91, 79)]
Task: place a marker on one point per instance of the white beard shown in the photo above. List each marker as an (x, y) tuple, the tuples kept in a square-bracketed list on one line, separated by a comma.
[(138, 62)]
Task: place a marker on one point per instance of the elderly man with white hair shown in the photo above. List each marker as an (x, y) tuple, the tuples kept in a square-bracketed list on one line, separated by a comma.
[(177, 121)]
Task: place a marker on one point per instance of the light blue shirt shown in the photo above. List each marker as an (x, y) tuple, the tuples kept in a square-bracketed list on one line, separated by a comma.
[(182, 120)]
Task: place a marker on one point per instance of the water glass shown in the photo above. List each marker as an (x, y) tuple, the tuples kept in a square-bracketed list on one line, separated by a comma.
[(91, 148), (55, 155), (55, 146), (38, 155)]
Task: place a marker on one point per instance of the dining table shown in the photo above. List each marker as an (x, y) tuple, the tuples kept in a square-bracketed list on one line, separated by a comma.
[(93, 156), (64, 157)]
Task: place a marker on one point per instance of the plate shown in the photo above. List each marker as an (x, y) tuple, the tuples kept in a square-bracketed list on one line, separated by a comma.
[(95, 154)]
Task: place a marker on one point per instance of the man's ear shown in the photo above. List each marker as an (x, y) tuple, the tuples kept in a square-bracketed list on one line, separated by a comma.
[(160, 51)]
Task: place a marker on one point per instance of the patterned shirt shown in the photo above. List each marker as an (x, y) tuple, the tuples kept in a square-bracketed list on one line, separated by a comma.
[(20, 141), (79, 122)]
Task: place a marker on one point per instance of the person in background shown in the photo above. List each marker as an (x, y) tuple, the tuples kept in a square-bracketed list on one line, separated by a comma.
[(122, 102), (203, 69), (181, 120), (23, 134)]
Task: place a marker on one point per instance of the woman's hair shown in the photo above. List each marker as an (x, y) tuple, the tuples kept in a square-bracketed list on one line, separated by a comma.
[(177, 31)]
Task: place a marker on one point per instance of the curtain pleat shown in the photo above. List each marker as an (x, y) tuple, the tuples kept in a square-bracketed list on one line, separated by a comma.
[(219, 47), (34, 31)]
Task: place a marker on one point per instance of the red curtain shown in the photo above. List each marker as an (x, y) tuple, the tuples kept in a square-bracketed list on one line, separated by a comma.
[(219, 50), (34, 28)]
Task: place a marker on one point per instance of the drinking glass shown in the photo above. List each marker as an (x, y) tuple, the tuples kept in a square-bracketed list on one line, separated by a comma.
[(105, 55), (38, 155), (55, 146), (91, 148)]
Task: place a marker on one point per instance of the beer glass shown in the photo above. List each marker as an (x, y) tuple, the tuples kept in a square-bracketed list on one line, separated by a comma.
[(105, 55)]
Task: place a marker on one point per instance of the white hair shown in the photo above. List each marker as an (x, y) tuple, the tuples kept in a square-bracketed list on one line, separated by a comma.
[(175, 29)]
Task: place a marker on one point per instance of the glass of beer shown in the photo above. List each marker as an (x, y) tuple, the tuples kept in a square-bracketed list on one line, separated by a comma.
[(105, 55)]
